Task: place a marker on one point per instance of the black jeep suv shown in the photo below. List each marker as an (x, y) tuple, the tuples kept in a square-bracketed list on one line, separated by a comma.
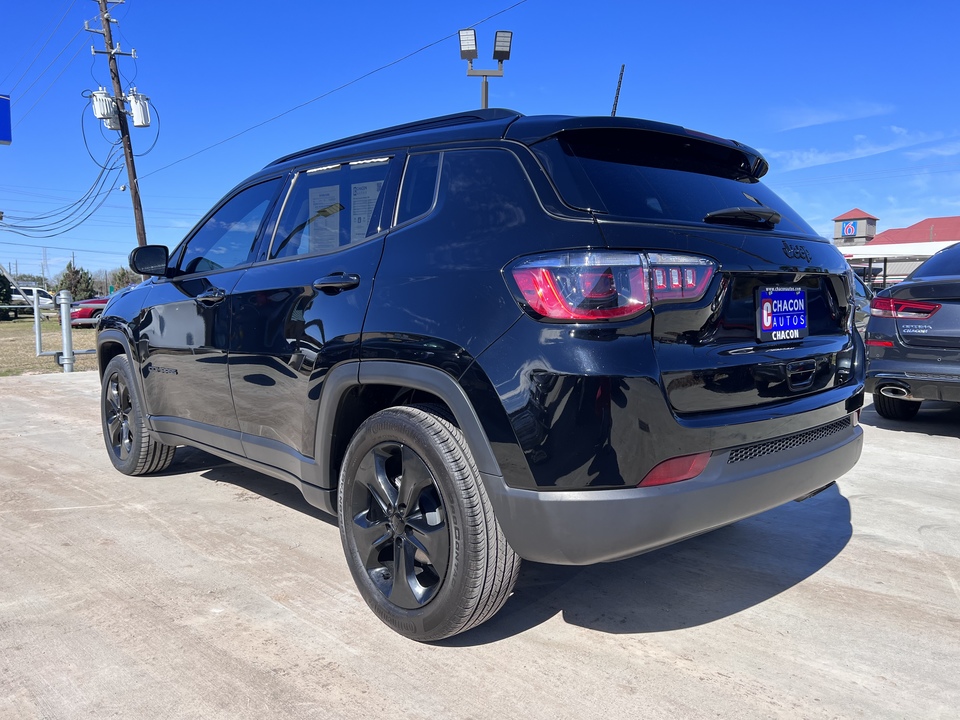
[(486, 337)]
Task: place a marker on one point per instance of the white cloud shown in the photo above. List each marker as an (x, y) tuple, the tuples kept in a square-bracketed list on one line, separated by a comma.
[(805, 116), (787, 160), (946, 150)]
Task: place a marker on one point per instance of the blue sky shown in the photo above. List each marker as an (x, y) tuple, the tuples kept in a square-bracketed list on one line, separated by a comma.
[(854, 104)]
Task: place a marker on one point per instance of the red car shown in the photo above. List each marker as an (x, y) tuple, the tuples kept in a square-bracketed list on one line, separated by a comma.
[(87, 312)]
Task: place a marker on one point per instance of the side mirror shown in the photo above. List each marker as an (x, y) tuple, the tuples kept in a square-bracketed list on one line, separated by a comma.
[(150, 260)]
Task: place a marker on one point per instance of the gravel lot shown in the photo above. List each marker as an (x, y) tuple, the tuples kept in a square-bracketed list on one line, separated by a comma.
[(215, 592)]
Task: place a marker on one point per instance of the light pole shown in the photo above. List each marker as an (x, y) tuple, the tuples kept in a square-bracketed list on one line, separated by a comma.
[(501, 52)]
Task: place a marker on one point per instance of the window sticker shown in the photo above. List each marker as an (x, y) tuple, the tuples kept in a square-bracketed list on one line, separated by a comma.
[(364, 198), (324, 226)]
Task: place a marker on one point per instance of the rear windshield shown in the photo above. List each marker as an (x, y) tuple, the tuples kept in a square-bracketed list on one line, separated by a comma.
[(945, 262), (654, 176)]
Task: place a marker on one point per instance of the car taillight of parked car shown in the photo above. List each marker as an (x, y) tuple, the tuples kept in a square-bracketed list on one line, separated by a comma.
[(592, 286), (902, 309)]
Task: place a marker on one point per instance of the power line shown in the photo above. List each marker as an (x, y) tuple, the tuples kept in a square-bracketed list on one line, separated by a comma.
[(331, 92), (40, 51), (49, 65), (49, 87), (65, 249)]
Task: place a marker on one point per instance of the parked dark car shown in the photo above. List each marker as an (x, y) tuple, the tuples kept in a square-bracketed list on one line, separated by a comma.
[(87, 312), (862, 296), (913, 338), (486, 337)]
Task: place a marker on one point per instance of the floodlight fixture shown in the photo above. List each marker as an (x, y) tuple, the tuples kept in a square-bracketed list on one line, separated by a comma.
[(501, 45), (501, 52), (468, 44)]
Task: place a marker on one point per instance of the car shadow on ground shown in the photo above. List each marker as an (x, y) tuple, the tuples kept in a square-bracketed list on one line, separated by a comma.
[(692, 583), (941, 419), (217, 470)]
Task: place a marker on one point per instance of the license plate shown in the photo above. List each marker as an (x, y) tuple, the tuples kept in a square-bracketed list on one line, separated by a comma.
[(781, 313)]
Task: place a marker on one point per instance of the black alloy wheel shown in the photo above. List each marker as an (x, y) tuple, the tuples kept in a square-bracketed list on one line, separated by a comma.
[(400, 528), (129, 445), (418, 531)]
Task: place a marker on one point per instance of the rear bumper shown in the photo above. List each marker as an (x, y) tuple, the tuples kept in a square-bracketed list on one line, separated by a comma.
[(584, 527), (921, 380)]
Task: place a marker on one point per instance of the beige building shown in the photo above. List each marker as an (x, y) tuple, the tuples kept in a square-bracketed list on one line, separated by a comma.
[(854, 228)]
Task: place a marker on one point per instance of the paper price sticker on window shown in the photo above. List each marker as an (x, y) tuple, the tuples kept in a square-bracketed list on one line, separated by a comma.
[(781, 313)]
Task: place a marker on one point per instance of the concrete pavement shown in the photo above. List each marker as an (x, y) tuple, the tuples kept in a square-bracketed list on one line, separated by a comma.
[(215, 592)]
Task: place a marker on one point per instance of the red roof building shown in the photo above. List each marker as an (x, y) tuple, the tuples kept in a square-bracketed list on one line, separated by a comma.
[(941, 229)]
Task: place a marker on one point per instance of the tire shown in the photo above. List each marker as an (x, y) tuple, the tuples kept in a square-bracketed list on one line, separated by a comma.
[(895, 408), (129, 445), (418, 531)]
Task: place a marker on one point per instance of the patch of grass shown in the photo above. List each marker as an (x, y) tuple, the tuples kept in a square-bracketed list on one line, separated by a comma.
[(18, 347)]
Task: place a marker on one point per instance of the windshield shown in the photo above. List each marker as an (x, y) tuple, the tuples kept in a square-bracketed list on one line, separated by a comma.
[(654, 176)]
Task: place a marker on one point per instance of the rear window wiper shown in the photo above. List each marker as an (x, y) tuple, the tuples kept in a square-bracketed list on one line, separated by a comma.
[(762, 217)]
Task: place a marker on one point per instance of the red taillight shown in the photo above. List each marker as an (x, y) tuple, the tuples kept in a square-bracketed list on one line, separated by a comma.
[(680, 277), (879, 343), (592, 286), (588, 286), (902, 309), (676, 469)]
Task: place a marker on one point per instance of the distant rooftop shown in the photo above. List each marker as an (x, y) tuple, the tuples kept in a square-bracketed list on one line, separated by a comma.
[(855, 214), (928, 230)]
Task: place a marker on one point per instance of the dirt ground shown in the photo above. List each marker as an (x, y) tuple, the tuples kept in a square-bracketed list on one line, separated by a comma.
[(18, 347)]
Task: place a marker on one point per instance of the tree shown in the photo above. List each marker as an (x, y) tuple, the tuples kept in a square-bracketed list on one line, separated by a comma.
[(122, 277), (31, 280), (4, 296), (78, 281)]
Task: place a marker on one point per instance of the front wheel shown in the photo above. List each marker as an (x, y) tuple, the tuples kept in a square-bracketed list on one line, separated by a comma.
[(129, 445), (418, 532)]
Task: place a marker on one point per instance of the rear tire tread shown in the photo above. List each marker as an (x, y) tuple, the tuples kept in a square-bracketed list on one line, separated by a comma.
[(895, 408), (489, 566)]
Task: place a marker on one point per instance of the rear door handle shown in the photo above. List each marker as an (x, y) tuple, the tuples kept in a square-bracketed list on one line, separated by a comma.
[(337, 282), (211, 296)]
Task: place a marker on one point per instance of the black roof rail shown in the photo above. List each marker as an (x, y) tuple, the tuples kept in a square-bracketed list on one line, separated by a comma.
[(428, 124)]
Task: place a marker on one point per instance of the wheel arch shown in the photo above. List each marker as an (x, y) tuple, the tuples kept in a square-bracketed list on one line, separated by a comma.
[(111, 343), (356, 390)]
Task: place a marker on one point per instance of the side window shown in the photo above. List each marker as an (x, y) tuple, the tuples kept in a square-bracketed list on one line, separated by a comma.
[(419, 186), (331, 207), (228, 237), (484, 190)]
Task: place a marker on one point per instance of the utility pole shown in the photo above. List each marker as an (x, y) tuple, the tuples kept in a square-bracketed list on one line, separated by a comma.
[(111, 52)]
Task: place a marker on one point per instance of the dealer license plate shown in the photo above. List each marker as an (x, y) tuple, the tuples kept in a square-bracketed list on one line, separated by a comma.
[(781, 313)]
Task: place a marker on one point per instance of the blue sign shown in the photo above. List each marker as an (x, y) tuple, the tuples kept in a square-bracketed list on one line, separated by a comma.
[(849, 228), (5, 120)]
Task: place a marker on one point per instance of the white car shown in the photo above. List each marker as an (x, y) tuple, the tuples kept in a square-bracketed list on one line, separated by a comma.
[(25, 297)]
